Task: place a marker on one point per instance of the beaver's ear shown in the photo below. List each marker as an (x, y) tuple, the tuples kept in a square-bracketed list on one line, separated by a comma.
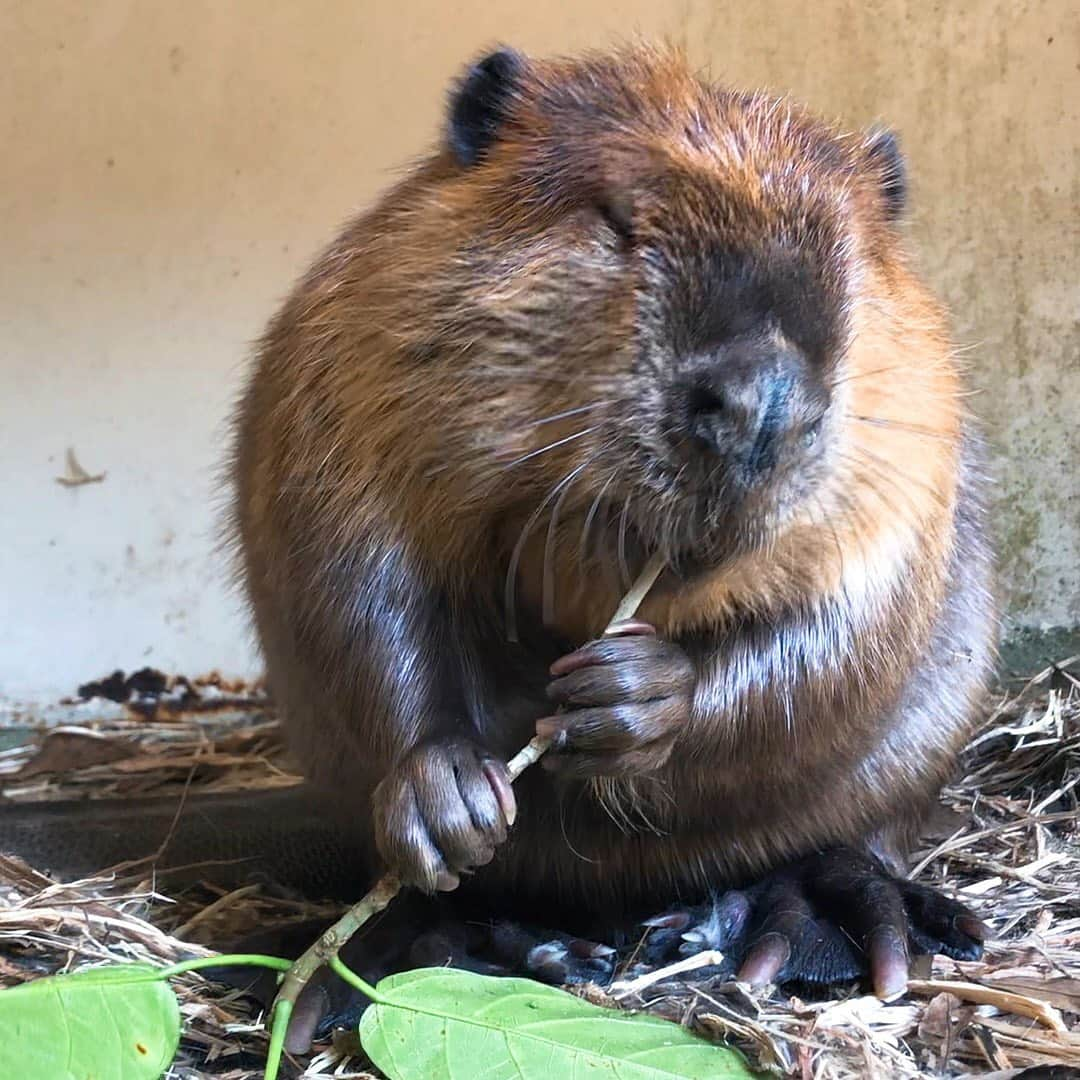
[(479, 103), (883, 153)]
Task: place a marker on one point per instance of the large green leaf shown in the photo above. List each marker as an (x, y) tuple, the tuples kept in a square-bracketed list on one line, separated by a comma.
[(114, 1023), (442, 1024)]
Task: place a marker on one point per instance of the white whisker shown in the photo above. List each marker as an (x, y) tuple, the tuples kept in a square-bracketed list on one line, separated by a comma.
[(583, 546), (510, 592), (569, 412), (550, 446), (550, 540)]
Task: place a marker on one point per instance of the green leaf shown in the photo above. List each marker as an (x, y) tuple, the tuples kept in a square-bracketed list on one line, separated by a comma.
[(442, 1024), (114, 1023)]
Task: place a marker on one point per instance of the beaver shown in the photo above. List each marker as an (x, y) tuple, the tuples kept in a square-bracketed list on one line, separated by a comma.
[(619, 311)]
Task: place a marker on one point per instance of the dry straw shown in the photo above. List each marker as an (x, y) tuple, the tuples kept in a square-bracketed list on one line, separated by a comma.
[(1008, 845)]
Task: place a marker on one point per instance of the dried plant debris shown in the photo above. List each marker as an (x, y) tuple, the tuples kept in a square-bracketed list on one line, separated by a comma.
[(1010, 848), (74, 474), (149, 692), (170, 733)]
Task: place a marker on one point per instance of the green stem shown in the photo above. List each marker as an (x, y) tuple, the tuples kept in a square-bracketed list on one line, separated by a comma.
[(226, 960), (279, 1024), (338, 968), (282, 1008)]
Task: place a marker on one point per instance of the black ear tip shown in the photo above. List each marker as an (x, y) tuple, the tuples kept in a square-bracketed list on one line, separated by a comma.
[(500, 66), (883, 149), (479, 102)]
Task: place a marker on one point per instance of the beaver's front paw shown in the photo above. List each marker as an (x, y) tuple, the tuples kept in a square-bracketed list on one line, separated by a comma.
[(441, 811), (625, 698)]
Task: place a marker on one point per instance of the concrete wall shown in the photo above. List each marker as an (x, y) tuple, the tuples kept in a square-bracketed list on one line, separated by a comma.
[(167, 169)]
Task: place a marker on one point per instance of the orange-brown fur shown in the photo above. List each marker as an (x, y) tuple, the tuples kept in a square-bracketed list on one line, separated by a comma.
[(380, 418)]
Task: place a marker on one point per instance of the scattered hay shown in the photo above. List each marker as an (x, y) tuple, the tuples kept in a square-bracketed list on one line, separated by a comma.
[(1012, 853)]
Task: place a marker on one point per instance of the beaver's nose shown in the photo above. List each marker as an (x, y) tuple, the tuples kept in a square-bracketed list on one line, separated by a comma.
[(746, 399)]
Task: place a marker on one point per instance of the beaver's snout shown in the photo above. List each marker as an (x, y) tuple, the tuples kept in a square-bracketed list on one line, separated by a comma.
[(747, 402)]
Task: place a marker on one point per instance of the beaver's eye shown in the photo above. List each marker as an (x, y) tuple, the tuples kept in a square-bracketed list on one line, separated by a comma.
[(618, 214)]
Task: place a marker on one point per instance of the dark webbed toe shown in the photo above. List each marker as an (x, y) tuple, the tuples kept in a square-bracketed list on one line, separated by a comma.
[(828, 918), (939, 924), (549, 957)]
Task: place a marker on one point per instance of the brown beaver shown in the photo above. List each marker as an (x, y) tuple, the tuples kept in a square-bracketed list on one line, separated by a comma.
[(619, 311), (623, 311)]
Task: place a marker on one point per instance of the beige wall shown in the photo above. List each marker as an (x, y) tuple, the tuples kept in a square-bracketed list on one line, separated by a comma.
[(168, 168)]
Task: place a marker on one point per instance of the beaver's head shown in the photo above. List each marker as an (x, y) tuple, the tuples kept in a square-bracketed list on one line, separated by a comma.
[(647, 294)]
